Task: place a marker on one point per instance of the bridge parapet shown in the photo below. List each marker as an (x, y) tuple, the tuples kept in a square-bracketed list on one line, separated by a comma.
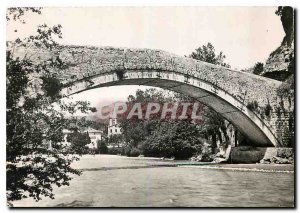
[(85, 62)]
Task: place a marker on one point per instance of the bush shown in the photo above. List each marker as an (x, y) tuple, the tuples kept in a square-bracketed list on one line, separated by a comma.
[(115, 151), (102, 147), (268, 110), (78, 142), (132, 151), (252, 105), (258, 68), (135, 152), (173, 139)]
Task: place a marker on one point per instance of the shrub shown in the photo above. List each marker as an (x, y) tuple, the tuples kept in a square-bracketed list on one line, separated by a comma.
[(258, 68), (135, 152), (268, 110), (132, 151), (173, 139), (253, 105), (115, 151), (102, 147)]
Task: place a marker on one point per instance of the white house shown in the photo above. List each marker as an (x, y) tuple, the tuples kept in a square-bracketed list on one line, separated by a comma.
[(95, 135), (113, 127)]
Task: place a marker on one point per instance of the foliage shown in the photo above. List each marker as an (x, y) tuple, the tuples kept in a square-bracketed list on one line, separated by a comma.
[(16, 13), (283, 10), (279, 11), (268, 110), (179, 139), (149, 137), (287, 89), (207, 53), (160, 138), (102, 147), (82, 123), (78, 141), (115, 140), (133, 152), (116, 151), (258, 68), (136, 131), (253, 105), (35, 155), (286, 14)]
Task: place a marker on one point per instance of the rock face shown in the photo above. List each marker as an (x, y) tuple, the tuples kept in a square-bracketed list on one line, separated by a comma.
[(265, 155), (280, 64)]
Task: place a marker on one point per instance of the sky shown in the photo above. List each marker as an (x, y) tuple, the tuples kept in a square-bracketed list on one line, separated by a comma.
[(246, 35)]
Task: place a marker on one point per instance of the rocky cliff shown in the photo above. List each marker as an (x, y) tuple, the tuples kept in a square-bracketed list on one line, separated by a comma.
[(280, 64)]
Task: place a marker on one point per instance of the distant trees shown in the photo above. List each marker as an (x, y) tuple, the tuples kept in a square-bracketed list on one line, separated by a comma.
[(116, 140), (160, 137), (179, 139), (258, 68), (207, 53), (136, 131), (102, 147), (78, 141)]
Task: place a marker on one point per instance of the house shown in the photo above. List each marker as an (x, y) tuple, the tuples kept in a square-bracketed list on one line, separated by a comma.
[(94, 135), (113, 127)]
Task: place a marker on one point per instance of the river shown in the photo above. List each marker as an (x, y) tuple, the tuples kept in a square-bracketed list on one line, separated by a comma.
[(117, 181)]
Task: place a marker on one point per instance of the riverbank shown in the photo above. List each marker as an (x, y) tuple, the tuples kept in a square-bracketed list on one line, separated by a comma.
[(89, 163), (282, 168)]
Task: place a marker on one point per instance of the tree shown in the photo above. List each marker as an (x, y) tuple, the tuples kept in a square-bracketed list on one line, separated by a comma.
[(258, 68), (115, 140), (179, 139), (214, 124), (135, 131), (102, 147), (159, 137), (36, 116), (78, 141), (207, 53)]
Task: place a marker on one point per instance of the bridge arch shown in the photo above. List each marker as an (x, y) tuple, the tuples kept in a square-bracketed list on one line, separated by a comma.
[(226, 91)]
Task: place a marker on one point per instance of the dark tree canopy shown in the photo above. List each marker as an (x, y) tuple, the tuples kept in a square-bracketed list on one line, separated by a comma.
[(208, 54), (102, 147), (78, 141), (258, 68), (286, 14)]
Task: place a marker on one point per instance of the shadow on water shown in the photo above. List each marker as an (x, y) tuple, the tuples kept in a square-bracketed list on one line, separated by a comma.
[(147, 166), (76, 203), (127, 167)]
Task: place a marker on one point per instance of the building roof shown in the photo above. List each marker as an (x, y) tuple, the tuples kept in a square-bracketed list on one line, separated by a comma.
[(91, 130), (67, 131)]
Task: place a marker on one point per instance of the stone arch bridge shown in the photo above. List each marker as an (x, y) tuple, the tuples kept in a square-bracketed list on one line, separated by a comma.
[(229, 92)]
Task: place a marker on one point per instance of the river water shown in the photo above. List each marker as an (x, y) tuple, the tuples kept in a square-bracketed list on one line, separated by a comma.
[(115, 181)]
